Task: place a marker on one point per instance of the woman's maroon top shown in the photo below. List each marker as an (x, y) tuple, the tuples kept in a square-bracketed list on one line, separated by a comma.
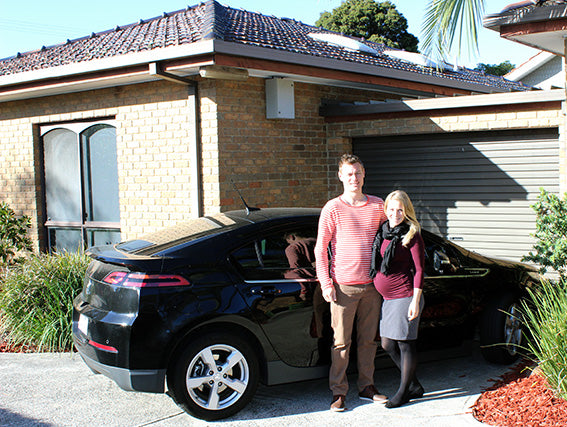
[(406, 270)]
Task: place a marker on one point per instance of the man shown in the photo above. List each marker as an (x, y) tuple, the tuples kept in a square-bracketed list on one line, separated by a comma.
[(348, 224)]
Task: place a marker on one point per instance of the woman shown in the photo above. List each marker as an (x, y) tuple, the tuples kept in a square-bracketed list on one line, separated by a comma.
[(397, 268)]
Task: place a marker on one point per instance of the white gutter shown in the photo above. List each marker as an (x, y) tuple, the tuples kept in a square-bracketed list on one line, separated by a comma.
[(207, 47), (121, 61), (347, 66)]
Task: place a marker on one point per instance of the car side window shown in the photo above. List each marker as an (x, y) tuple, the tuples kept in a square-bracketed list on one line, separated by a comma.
[(287, 254)]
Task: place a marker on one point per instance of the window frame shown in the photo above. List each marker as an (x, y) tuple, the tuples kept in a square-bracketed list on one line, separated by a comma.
[(85, 226)]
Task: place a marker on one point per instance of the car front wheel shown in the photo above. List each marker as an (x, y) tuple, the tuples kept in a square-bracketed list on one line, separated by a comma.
[(501, 334), (215, 376)]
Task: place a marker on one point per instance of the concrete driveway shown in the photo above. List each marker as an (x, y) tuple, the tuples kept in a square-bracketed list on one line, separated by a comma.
[(54, 389)]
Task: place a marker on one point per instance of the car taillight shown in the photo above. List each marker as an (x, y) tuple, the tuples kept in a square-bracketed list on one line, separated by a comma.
[(142, 280)]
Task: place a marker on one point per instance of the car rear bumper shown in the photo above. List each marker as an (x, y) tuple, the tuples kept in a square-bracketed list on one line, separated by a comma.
[(145, 380)]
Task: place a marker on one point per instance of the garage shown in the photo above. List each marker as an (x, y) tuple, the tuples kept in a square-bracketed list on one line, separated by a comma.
[(475, 188)]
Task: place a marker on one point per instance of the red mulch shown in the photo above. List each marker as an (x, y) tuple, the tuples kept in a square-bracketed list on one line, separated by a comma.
[(6, 347), (519, 399)]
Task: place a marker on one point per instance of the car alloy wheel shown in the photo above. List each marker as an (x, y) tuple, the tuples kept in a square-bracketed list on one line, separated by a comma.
[(501, 333), (513, 330), (215, 376)]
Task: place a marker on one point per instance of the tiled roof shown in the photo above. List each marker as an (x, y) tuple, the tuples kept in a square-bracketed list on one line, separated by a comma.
[(211, 20)]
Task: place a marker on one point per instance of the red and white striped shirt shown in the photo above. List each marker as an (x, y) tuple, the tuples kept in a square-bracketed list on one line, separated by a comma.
[(350, 230)]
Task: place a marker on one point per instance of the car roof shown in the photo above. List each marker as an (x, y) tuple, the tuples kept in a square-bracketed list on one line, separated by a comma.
[(256, 215)]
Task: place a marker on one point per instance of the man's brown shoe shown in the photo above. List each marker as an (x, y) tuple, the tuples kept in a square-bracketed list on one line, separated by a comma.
[(338, 403), (371, 394)]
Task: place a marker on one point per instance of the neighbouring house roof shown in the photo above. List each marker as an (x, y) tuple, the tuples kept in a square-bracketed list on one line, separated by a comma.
[(205, 31), (537, 23), (544, 71)]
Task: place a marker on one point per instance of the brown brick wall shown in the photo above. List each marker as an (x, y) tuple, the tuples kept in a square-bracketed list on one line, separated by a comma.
[(276, 162), (273, 162), (152, 128)]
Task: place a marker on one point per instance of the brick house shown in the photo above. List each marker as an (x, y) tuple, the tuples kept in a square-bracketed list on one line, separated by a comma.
[(126, 131)]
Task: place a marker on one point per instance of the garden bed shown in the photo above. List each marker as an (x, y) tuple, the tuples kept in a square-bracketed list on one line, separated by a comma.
[(521, 398)]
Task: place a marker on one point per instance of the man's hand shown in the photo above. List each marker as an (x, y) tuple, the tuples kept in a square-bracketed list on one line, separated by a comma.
[(329, 294)]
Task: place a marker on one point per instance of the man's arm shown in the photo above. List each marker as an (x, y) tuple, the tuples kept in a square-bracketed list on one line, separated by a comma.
[(325, 232)]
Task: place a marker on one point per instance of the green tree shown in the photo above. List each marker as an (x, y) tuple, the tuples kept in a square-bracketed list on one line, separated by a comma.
[(496, 69), (375, 21), (449, 21)]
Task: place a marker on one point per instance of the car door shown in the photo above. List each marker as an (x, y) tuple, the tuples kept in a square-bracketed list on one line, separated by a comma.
[(284, 294), (452, 289)]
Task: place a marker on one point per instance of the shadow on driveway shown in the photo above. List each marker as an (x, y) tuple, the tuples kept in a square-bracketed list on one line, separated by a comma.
[(59, 390)]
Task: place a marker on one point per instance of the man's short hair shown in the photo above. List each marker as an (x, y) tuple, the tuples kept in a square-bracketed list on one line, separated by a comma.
[(349, 159)]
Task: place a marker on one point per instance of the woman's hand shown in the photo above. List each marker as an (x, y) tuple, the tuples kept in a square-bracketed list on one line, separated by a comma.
[(413, 310)]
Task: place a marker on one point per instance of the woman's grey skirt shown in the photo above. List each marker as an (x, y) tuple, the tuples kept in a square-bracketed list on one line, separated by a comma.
[(394, 323)]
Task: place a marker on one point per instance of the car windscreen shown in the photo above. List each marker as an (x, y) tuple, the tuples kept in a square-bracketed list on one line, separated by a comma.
[(182, 232)]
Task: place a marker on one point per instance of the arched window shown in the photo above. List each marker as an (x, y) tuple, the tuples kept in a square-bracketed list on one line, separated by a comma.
[(81, 185)]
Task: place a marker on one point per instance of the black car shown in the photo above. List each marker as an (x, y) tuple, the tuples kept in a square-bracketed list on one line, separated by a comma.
[(208, 308)]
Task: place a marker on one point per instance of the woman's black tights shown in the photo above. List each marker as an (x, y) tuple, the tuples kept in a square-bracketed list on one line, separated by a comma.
[(404, 355)]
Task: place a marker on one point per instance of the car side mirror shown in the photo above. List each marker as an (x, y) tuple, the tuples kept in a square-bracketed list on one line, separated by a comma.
[(441, 262)]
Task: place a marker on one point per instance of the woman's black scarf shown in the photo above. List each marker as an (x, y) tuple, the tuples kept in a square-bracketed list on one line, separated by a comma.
[(395, 235)]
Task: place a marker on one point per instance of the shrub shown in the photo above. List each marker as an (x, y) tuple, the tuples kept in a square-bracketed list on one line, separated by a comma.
[(550, 250), (13, 235), (36, 300), (546, 320)]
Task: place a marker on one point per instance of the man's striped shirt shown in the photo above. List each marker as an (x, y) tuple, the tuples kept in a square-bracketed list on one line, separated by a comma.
[(350, 230)]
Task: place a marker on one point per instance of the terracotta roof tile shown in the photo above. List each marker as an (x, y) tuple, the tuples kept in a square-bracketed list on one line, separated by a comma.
[(211, 20)]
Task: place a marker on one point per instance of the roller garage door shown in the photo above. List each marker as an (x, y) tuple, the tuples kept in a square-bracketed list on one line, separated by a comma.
[(474, 188)]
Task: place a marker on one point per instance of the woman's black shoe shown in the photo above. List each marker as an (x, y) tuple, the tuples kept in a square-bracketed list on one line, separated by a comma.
[(416, 393), (394, 403)]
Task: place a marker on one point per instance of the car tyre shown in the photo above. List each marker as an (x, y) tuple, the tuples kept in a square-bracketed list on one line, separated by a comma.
[(501, 333), (215, 376)]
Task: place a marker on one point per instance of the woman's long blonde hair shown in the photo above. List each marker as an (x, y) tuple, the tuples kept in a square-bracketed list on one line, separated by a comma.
[(409, 213)]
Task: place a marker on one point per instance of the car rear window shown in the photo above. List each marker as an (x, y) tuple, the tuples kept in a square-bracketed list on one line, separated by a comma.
[(182, 232)]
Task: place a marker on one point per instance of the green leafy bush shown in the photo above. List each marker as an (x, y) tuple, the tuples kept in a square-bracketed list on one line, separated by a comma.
[(36, 300), (13, 234), (546, 320), (550, 250)]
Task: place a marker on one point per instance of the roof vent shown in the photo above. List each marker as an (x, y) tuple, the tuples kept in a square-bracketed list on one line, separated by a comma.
[(344, 42), (417, 59)]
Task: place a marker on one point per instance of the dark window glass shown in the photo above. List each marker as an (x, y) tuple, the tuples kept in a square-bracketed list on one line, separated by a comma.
[(266, 258), (81, 187)]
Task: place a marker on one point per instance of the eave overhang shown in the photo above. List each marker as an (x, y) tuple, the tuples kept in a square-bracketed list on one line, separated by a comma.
[(185, 61), (542, 28), (516, 101)]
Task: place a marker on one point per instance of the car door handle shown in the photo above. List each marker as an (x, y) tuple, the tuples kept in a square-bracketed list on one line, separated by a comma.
[(266, 291)]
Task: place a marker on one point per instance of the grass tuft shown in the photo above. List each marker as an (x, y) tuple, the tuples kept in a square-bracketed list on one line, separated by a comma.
[(36, 300), (546, 320)]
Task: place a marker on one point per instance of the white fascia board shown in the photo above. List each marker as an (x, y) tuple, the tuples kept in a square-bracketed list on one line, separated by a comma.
[(195, 49), (347, 66), (447, 103), (168, 53), (485, 100), (71, 87)]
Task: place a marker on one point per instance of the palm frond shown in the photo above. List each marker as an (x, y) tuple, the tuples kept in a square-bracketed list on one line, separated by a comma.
[(449, 21)]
